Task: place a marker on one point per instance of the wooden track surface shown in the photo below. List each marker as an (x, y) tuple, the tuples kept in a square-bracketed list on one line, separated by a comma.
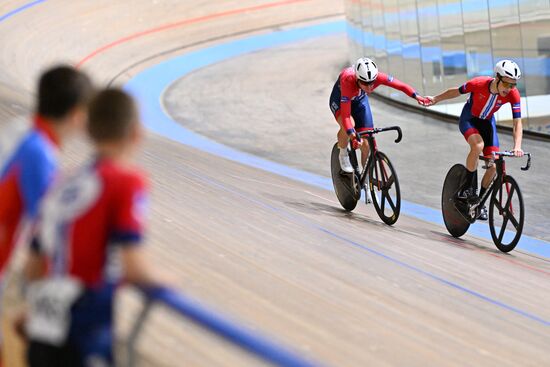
[(279, 255)]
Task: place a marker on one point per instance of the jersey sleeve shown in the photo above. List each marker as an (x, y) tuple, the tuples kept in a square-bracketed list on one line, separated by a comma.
[(346, 88), (468, 87), (515, 101), (37, 173), (390, 81), (130, 211)]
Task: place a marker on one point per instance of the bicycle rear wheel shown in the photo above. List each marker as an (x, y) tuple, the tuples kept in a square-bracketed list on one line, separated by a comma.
[(384, 188), (455, 222), (346, 187), (506, 214)]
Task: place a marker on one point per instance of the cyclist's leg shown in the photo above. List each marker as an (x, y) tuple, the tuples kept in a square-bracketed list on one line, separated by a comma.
[(334, 105), (363, 121), (491, 145), (476, 147), (475, 141), (342, 134)]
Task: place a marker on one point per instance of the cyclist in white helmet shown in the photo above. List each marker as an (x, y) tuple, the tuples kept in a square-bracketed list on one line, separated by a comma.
[(349, 104), (477, 121)]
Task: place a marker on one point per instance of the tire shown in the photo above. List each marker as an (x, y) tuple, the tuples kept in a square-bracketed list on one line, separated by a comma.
[(506, 214), (344, 184), (455, 222), (384, 188)]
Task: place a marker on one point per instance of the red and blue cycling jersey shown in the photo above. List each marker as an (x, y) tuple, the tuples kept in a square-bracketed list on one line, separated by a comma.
[(83, 223), (350, 91), (87, 216), (485, 104), (25, 177)]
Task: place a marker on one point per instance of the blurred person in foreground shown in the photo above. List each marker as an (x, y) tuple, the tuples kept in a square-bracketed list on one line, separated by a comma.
[(88, 240), (29, 167)]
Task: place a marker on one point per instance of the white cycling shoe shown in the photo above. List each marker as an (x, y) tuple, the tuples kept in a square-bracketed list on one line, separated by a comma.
[(345, 164)]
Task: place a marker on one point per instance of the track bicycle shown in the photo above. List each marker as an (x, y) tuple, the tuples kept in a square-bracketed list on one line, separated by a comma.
[(506, 208), (378, 173)]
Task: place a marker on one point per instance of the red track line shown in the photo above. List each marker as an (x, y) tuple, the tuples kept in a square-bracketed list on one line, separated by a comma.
[(184, 23), (500, 256)]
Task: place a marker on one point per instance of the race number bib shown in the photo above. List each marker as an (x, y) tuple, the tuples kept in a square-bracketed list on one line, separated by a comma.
[(50, 303)]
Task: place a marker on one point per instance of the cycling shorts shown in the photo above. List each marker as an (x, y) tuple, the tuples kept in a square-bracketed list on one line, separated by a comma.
[(470, 125)]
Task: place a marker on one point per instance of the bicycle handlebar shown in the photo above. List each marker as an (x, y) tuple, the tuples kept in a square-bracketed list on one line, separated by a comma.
[(382, 129), (511, 154)]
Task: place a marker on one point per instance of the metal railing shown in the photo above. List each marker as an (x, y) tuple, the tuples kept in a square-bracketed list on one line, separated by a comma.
[(252, 342)]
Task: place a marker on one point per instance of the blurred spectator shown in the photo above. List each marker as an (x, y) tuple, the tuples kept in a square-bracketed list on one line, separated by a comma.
[(87, 241), (28, 169)]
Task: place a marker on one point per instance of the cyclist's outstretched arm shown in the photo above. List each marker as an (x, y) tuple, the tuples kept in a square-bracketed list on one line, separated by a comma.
[(397, 84), (448, 94)]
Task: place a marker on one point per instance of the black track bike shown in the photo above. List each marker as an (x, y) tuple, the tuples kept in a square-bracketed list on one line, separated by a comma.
[(506, 209), (378, 173)]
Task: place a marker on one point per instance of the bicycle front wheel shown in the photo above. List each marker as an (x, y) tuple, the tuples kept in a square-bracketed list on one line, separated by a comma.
[(384, 188), (506, 214)]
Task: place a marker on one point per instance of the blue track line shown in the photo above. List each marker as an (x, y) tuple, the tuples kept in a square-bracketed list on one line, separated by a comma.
[(20, 9), (149, 86)]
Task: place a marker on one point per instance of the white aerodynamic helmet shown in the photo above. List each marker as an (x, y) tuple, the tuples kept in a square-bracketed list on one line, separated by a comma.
[(508, 68), (366, 70)]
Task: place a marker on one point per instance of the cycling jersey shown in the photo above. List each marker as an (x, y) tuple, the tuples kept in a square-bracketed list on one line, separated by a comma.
[(350, 92), (82, 225), (24, 178), (484, 103)]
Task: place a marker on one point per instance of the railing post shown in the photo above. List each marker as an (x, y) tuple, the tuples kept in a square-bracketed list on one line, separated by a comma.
[(136, 330)]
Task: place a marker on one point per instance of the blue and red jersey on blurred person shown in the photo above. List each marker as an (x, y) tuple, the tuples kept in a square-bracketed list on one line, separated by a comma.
[(83, 223), (25, 176)]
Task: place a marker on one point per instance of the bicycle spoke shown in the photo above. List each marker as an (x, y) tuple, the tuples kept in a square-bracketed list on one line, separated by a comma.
[(502, 229), (390, 201), (509, 200), (377, 175), (510, 216), (497, 205), (511, 209)]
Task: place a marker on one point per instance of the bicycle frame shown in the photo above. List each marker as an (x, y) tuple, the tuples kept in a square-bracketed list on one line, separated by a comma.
[(500, 174), (373, 149)]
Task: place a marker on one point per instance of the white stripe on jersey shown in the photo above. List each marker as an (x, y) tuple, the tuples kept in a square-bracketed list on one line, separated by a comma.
[(489, 105), (62, 206)]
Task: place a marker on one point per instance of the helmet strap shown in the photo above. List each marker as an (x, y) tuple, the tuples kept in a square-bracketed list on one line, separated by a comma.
[(499, 79)]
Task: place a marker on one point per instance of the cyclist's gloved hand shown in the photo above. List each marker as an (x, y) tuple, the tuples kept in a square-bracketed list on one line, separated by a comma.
[(518, 152), (424, 101), (356, 141)]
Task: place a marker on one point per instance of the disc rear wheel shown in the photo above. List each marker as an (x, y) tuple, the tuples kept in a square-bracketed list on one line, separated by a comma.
[(346, 187), (455, 222)]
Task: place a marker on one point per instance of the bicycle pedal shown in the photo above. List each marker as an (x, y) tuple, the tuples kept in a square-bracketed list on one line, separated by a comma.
[(463, 209)]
